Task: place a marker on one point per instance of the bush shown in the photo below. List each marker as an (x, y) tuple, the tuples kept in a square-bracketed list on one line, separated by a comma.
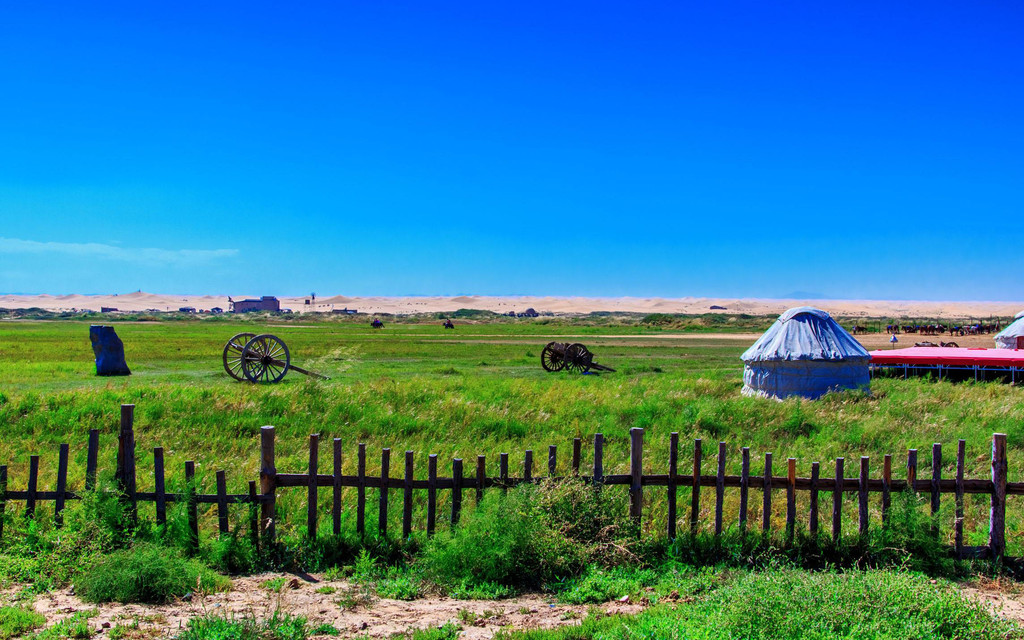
[(280, 626), (146, 573), (16, 621)]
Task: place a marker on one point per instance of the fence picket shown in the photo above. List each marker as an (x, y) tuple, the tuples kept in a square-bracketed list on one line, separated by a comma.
[(336, 489), (719, 488), (744, 488), (766, 507), (432, 493), (159, 484), (812, 526), (790, 499), (837, 503), (385, 470), (862, 497), (958, 535), (222, 502), (457, 489), (407, 497), (62, 485), (33, 481), (361, 489), (673, 474), (695, 483), (311, 490)]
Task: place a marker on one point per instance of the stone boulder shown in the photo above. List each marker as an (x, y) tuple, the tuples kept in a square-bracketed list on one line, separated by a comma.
[(109, 351)]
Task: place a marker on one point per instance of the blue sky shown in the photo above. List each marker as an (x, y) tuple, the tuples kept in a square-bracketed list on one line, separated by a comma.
[(670, 149)]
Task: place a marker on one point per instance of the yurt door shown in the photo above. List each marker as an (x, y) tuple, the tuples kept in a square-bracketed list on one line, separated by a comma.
[(1020, 342)]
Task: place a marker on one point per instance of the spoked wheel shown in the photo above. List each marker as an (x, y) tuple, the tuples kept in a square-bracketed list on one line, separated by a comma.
[(265, 359), (577, 358), (550, 359), (233, 354)]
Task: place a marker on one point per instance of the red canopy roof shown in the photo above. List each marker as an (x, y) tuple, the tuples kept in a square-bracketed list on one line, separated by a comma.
[(946, 356)]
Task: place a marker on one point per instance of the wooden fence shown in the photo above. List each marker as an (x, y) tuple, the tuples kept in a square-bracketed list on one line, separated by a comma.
[(263, 519)]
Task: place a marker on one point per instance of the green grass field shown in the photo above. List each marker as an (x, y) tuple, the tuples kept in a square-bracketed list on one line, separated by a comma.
[(476, 390)]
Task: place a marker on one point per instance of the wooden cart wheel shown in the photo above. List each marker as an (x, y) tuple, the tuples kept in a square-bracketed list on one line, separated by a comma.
[(233, 354), (550, 359), (577, 358), (265, 359)]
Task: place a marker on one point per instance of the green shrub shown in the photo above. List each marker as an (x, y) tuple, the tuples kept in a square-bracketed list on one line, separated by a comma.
[(280, 626), (16, 621), (146, 573)]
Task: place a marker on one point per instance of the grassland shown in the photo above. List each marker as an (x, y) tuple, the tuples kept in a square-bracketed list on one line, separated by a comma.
[(476, 390)]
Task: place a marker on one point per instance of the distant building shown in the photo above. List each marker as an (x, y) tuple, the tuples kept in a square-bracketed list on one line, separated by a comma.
[(108, 309), (266, 303), (216, 310), (186, 309)]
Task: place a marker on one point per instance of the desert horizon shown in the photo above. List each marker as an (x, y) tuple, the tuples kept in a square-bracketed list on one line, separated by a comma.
[(561, 305)]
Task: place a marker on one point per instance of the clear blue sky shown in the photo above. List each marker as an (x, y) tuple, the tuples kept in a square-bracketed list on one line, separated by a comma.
[(869, 149)]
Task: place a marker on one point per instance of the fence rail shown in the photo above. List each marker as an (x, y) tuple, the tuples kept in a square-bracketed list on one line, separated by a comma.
[(264, 500)]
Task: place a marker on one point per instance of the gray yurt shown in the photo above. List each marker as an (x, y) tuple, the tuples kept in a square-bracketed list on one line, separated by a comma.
[(1012, 337), (805, 353)]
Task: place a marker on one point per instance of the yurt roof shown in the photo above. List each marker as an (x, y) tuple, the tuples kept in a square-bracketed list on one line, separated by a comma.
[(805, 333)]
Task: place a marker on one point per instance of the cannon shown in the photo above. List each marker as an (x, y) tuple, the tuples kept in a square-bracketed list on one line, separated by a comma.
[(260, 358), (574, 357)]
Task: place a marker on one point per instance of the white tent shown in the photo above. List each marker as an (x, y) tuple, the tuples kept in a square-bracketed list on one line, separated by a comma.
[(805, 353), (1012, 337)]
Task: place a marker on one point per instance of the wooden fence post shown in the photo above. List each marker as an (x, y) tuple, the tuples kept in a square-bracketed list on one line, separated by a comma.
[(312, 488), (958, 535), (33, 483), (191, 504), (577, 445), (862, 496), (790, 499), (695, 491), (361, 489), (552, 460), (912, 470), (91, 459), (254, 516), (222, 502), (997, 513), (837, 503), (886, 487), (528, 466), (636, 470), (432, 492), (62, 485), (598, 458), (936, 480), (813, 525), (719, 488), (457, 489), (503, 471), (385, 471), (3, 497), (336, 482), (268, 485), (407, 497), (161, 488), (126, 459), (744, 488), (673, 475), (481, 477)]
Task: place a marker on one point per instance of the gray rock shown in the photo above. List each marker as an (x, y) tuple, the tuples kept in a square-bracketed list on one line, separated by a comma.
[(109, 351)]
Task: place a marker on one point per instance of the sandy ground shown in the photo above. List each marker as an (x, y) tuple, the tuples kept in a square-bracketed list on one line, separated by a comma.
[(355, 614), (348, 609), (140, 301)]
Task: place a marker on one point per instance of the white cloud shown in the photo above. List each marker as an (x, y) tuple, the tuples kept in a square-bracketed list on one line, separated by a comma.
[(155, 257)]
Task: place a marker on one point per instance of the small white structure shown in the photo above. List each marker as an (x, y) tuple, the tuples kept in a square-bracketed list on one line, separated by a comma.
[(805, 353), (1012, 337)]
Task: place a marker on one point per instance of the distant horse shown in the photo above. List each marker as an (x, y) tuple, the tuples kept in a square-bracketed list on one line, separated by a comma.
[(376, 324), (448, 324)]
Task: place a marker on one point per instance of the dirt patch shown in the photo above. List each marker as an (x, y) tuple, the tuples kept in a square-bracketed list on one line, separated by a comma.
[(1004, 598), (346, 607)]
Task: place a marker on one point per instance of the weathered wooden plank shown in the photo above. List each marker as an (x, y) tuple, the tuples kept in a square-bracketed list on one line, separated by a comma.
[(695, 483), (958, 533), (191, 507), (862, 497), (62, 485), (222, 502), (160, 486), (385, 470), (912, 468), (361, 488), (268, 486), (936, 480), (766, 507), (457, 489), (33, 485), (636, 471), (3, 497), (813, 525), (673, 476), (336, 489), (886, 486), (744, 487), (577, 446), (481, 477), (312, 499), (720, 489), (552, 460), (126, 449), (837, 503), (997, 510), (432, 492), (528, 466), (254, 518), (790, 498), (91, 457), (503, 471), (598, 458), (407, 496)]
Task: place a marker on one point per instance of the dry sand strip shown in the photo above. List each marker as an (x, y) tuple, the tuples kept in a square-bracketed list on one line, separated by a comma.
[(348, 609), (141, 301)]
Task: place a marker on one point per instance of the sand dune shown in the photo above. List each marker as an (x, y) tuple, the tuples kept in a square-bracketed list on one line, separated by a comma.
[(141, 301)]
